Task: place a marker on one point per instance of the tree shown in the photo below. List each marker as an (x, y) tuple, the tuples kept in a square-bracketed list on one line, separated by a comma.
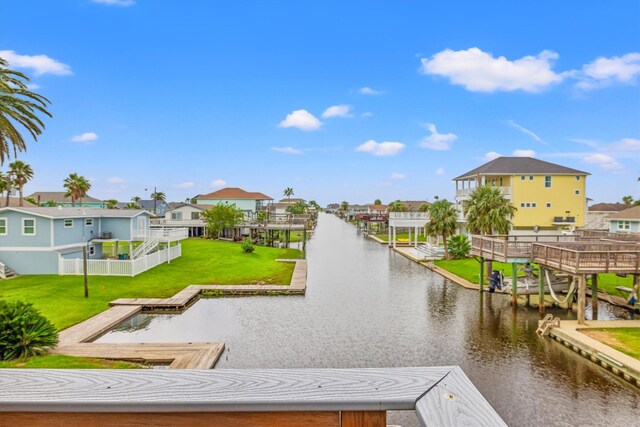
[(459, 246), (298, 208), (18, 105), (32, 200), (136, 199), (344, 206), (627, 200), (288, 192), (424, 207), (77, 187), (221, 216), (21, 173), (377, 202), (397, 206), (158, 196), (6, 184), (488, 211), (132, 205), (442, 221), (111, 203), (50, 203)]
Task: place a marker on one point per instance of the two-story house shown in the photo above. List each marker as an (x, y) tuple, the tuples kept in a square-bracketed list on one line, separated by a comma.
[(249, 202), (38, 240), (549, 197), (626, 221), (184, 215)]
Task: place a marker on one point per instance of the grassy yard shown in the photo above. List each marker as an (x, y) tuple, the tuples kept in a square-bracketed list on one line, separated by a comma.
[(469, 269), (296, 236), (626, 340), (61, 298), (59, 361), (400, 237)]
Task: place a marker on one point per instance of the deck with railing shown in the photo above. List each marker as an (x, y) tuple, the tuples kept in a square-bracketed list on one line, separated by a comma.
[(510, 247), (162, 234), (441, 396), (584, 257), (584, 234)]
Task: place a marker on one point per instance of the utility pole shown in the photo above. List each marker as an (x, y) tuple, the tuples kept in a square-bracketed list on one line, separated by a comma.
[(85, 265)]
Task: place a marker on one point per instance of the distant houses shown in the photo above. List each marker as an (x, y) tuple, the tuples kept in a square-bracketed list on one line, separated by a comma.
[(249, 202), (59, 198), (549, 197), (154, 207), (184, 215), (626, 221), (598, 215)]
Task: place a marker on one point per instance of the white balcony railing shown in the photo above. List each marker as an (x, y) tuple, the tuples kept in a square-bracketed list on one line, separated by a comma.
[(465, 192), (408, 215), (162, 234)]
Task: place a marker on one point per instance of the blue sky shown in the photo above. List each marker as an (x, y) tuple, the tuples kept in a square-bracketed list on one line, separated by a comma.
[(339, 100)]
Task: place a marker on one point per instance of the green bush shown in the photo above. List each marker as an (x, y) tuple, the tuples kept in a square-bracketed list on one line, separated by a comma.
[(247, 245), (458, 246), (24, 331)]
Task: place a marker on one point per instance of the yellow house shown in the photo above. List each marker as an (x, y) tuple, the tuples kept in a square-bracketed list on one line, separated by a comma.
[(549, 197)]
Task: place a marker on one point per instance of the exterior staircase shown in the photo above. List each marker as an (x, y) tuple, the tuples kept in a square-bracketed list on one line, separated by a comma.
[(6, 272), (147, 246), (431, 251)]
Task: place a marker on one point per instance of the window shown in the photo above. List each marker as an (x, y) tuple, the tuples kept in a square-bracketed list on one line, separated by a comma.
[(88, 222), (68, 223), (624, 225), (92, 250), (3, 226), (533, 205), (522, 205), (522, 178), (176, 216), (547, 182), (530, 177), (577, 177), (195, 215), (28, 227), (548, 204), (577, 192)]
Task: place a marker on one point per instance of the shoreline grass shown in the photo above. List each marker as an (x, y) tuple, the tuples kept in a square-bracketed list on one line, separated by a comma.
[(625, 340), (61, 298), (60, 361)]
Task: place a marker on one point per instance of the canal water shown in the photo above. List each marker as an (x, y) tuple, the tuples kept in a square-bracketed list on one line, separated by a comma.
[(367, 306)]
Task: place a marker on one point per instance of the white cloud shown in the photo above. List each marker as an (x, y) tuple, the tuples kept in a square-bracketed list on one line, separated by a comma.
[(605, 161), (115, 180), (479, 71), (301, 119), (625, 144), (438, 141), (33, 86), (381, 148), (337, 111), (440, 171), (85, 137), (366, 114), (187, 184), (605, 71), (40, 64), (524, 153), (587, 142), (397, 175), (492, 155), (286, 150), (369, 91), (525, 131), (218, 183), (123, 3)]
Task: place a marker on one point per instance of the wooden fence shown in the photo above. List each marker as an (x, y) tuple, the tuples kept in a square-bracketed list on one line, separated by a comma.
[(589, 257)]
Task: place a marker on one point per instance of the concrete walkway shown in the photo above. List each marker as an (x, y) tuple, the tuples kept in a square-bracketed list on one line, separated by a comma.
[(569, 333)]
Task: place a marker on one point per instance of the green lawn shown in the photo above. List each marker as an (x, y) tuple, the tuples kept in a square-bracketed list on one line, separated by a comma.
[(61, 298), (626, 340), (469, 269), (59, 361), (296, 236), (401, 236)]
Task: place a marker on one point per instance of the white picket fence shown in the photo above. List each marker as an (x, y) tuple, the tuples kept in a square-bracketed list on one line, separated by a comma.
[(114, 267)]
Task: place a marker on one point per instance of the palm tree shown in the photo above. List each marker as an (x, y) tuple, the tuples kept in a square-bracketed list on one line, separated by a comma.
[(21, 173), (288, 192), (8, 182), (135, 199), (424, 207), (488, 212), (157, 196), (132, 205), (111, 203), (4, 185), (442, 221), (397, 206), (18, 105), (77, 187)]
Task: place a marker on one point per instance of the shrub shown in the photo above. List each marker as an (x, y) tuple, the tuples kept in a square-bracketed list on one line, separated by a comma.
[(458, 246), (24, 331), (247, 245)]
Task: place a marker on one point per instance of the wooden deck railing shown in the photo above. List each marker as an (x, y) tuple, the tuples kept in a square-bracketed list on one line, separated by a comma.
[(584, 234), (503, 247), (589, 257), (440, 396)]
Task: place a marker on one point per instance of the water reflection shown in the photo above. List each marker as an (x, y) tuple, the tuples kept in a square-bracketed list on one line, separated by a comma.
[(369, 307)]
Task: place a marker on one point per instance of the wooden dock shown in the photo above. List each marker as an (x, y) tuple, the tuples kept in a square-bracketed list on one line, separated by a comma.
[(76, 340)]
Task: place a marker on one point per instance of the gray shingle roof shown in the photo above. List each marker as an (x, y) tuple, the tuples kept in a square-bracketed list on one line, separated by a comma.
[(631, 213), (59, 197), (58, 212), (520, 165)]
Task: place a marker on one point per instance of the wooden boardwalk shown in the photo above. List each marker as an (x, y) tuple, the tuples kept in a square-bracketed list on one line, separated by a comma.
[(76, 340)]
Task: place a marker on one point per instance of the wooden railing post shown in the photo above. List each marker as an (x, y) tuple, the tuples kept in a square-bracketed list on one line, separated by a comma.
[(363, 418)]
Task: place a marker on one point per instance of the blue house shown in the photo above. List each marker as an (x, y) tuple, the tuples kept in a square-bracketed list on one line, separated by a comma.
[(626, 221), (50, 240)]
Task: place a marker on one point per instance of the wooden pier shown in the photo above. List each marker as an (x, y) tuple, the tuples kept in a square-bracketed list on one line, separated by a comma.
[(76, 340)]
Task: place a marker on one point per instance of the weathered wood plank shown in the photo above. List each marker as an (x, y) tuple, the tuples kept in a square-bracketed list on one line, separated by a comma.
[(187, 419), (454, 401), (47, 390), (97, 325)]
